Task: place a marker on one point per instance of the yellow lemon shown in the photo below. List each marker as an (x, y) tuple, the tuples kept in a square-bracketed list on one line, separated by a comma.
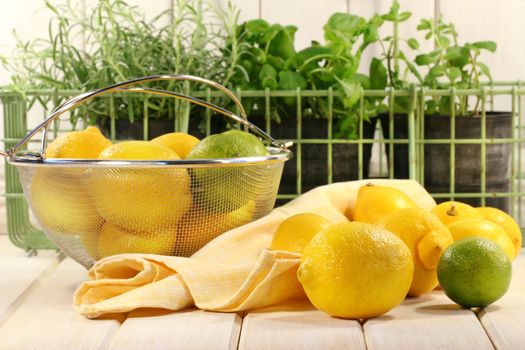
[(355, 270), (296, 231), (426, 237), (78, 144), (485, 229), (62, 203), (199, 226), (141, 199), (449, 212), (506, 222), (373, 202), (179, 142), (116, 240)]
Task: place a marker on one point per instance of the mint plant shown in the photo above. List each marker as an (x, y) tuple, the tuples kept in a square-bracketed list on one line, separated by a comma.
[(454, 64)]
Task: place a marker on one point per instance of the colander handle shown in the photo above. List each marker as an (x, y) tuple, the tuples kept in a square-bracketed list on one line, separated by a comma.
[(125, 87)]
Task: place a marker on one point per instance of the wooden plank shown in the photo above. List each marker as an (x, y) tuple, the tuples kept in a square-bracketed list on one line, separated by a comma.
[(46, 319), (18, 272), (298, 326), (308, 15), (187, 329), (431, 321), (503, 321)]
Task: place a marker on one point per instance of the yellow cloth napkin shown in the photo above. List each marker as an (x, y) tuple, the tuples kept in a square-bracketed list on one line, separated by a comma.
[(236, 271)]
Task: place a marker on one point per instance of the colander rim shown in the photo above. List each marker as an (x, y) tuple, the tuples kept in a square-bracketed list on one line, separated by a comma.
[(34, 160)]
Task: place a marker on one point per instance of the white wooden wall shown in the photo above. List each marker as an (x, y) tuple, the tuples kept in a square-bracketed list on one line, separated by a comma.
[(502, 21)]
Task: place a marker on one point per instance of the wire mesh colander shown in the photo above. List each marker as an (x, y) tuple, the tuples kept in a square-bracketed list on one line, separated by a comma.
[(96, 208)]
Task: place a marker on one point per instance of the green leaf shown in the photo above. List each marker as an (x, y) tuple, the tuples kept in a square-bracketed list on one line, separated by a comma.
[(484, 69), (413, 44), (426, 59), (457, 56), (282, 45), (268, 76), (351, 90), (342, 30), (289, 80), (424, 24), (403, 16), (378, 74), (256, 27), (436, 72), (486, 45), (453, 73), (444, 41)]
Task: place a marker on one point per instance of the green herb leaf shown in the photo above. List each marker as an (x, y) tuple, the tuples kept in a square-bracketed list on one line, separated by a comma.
[(425, 59), (282, 45), (413, 44), (484, 69), (268, 77), (453, 73), (342, 30), (436, 72), (424, 24), (486, 45), (378, 74), (351, 90)]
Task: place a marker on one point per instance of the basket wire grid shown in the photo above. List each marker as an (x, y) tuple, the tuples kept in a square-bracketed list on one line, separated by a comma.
[(96, 208), (24, 234)]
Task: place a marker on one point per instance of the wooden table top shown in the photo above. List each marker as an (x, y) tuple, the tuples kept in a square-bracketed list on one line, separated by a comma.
[(36, 313)]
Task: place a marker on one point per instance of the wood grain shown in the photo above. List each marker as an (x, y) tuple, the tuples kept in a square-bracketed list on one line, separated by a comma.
[(503, 321), (431, 321), (298, 326), (187, 329), (46, 320), (18, 272)]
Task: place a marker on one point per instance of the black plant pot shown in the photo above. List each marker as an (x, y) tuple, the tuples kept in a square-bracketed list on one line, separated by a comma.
[(467, 165), (314, 157)]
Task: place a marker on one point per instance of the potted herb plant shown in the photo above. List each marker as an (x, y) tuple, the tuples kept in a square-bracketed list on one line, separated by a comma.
[(268, 60), (120, 44), (461, 67), (449, 65)]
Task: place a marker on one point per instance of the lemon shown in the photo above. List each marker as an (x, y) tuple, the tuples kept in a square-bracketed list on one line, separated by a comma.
[(355, 270), (426, 237), (179, 142), (296, 231), (62, 203), (141, 199), (483, 228), (506, 222), (373, 202), (78, 144), (217, 189), (474, 272), (199, 226), (449, 212), (116, 240)]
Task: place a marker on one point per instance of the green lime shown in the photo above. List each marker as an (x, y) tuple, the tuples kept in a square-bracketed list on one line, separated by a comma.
[(225, 189), (474, 272)]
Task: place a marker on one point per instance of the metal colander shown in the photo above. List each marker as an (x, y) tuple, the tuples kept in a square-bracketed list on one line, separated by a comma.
[(96, 208)]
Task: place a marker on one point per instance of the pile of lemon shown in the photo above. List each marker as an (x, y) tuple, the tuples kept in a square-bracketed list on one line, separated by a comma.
[(142, 209), (391, 248)]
